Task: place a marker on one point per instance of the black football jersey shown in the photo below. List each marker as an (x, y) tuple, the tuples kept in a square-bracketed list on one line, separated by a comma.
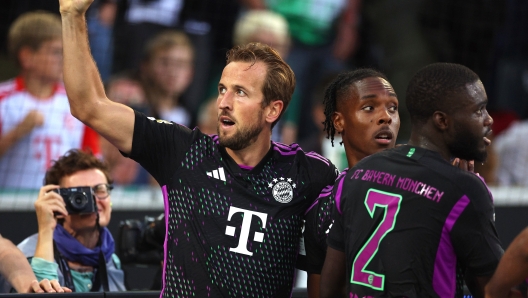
[(231, 231), (318, 221), (411, 225)]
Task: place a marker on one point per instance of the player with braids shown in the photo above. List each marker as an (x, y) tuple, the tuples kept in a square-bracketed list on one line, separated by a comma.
[(362, 106), (344, 93)]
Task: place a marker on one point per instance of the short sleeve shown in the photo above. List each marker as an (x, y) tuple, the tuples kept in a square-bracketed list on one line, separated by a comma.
[(336, 233), (44, 269), (318, 222), (160, 146), (473, 235)]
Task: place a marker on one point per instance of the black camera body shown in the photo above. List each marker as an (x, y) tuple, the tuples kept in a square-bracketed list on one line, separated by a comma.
[(79, 200)]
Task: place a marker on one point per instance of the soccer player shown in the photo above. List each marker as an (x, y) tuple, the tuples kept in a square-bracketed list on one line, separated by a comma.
[(362, 107), (406, 222), (234, 203), (512, 269)]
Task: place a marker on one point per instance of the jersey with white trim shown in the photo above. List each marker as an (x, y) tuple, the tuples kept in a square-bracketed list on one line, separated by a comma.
[(231, 232), (318, 221), (25, 163), (411, 225)]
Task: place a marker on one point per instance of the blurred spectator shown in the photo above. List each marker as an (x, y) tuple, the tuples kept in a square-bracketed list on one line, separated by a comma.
[(124, 171), (324, 35), (100, 21), (139, 21), (265, 27), (208, 117), (512, 152), (35, 121), (166, 72), (73, 246)]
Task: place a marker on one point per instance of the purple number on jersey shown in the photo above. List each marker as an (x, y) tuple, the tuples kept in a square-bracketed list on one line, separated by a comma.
[(391, 203)]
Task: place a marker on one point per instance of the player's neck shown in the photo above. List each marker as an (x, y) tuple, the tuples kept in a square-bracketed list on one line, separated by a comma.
[(38, 87), (423, 140), (254, 153)]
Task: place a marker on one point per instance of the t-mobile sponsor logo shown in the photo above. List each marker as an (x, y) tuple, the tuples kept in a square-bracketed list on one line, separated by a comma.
[(244, 231)]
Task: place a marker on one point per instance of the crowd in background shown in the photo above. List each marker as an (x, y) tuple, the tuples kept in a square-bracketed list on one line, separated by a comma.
[(164, 58)]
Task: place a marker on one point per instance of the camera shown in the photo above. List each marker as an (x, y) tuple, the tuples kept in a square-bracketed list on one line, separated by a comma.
[(79, 200)]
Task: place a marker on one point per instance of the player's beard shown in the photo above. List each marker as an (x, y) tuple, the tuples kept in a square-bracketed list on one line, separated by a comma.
[(466, 145), (244, 136)]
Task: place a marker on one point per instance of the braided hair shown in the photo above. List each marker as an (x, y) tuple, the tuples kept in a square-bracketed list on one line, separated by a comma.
[(337, 90)]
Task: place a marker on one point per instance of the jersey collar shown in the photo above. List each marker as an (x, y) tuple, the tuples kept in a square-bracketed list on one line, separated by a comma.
[(235, 168)]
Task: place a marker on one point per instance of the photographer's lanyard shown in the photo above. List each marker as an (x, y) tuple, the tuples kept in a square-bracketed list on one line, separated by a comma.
[(101, 275)]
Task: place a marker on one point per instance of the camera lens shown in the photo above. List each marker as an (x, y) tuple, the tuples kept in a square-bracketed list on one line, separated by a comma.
[(78, 200)]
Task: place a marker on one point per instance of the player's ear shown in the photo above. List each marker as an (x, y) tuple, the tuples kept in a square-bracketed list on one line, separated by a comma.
[(273, 111), (441, 120), (339, 122)]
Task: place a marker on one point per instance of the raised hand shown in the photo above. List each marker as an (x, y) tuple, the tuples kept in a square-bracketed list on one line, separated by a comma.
[(74, 6), (47, 204), (466, 165)]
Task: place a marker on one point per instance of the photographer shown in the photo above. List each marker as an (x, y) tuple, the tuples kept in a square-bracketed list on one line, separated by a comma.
[(73, 244)]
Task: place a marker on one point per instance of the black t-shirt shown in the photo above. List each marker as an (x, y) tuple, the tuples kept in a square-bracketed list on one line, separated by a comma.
[(318, 221), (411, 224), (231, 232)]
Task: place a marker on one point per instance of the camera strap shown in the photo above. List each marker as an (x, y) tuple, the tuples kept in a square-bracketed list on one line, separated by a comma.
[(64, 268), (101, 274)]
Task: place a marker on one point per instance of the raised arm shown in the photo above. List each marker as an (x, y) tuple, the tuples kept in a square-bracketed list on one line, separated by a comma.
[(88, 101)]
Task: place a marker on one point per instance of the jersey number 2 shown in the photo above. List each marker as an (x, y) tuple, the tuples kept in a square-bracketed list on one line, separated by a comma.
[(391, 204)]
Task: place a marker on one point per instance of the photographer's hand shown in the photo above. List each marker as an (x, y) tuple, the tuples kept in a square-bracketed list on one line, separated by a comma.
[(48, 202)]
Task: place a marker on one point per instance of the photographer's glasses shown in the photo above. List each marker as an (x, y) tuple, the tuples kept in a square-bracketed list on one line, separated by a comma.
[(102, 191)]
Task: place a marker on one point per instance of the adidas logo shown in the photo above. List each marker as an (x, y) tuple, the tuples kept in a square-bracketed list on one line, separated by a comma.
[(217, 174)]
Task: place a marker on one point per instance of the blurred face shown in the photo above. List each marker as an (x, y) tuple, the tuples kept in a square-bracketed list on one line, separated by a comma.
[(240, 112), (91, 177), (472, 125), (127, 92), (46, 62), (171, 69), (367, 118)]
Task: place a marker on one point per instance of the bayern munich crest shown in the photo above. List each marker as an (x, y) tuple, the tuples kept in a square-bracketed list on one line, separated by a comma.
[(282, 189)]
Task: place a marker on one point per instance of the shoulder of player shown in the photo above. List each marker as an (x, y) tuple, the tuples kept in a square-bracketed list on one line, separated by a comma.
[(471, 184), (178, 131), (294, 150), (322, 200)]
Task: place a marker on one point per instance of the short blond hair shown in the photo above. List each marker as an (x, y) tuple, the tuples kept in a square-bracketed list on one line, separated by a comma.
[(32, 29), (255, 21), (167, 40)]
